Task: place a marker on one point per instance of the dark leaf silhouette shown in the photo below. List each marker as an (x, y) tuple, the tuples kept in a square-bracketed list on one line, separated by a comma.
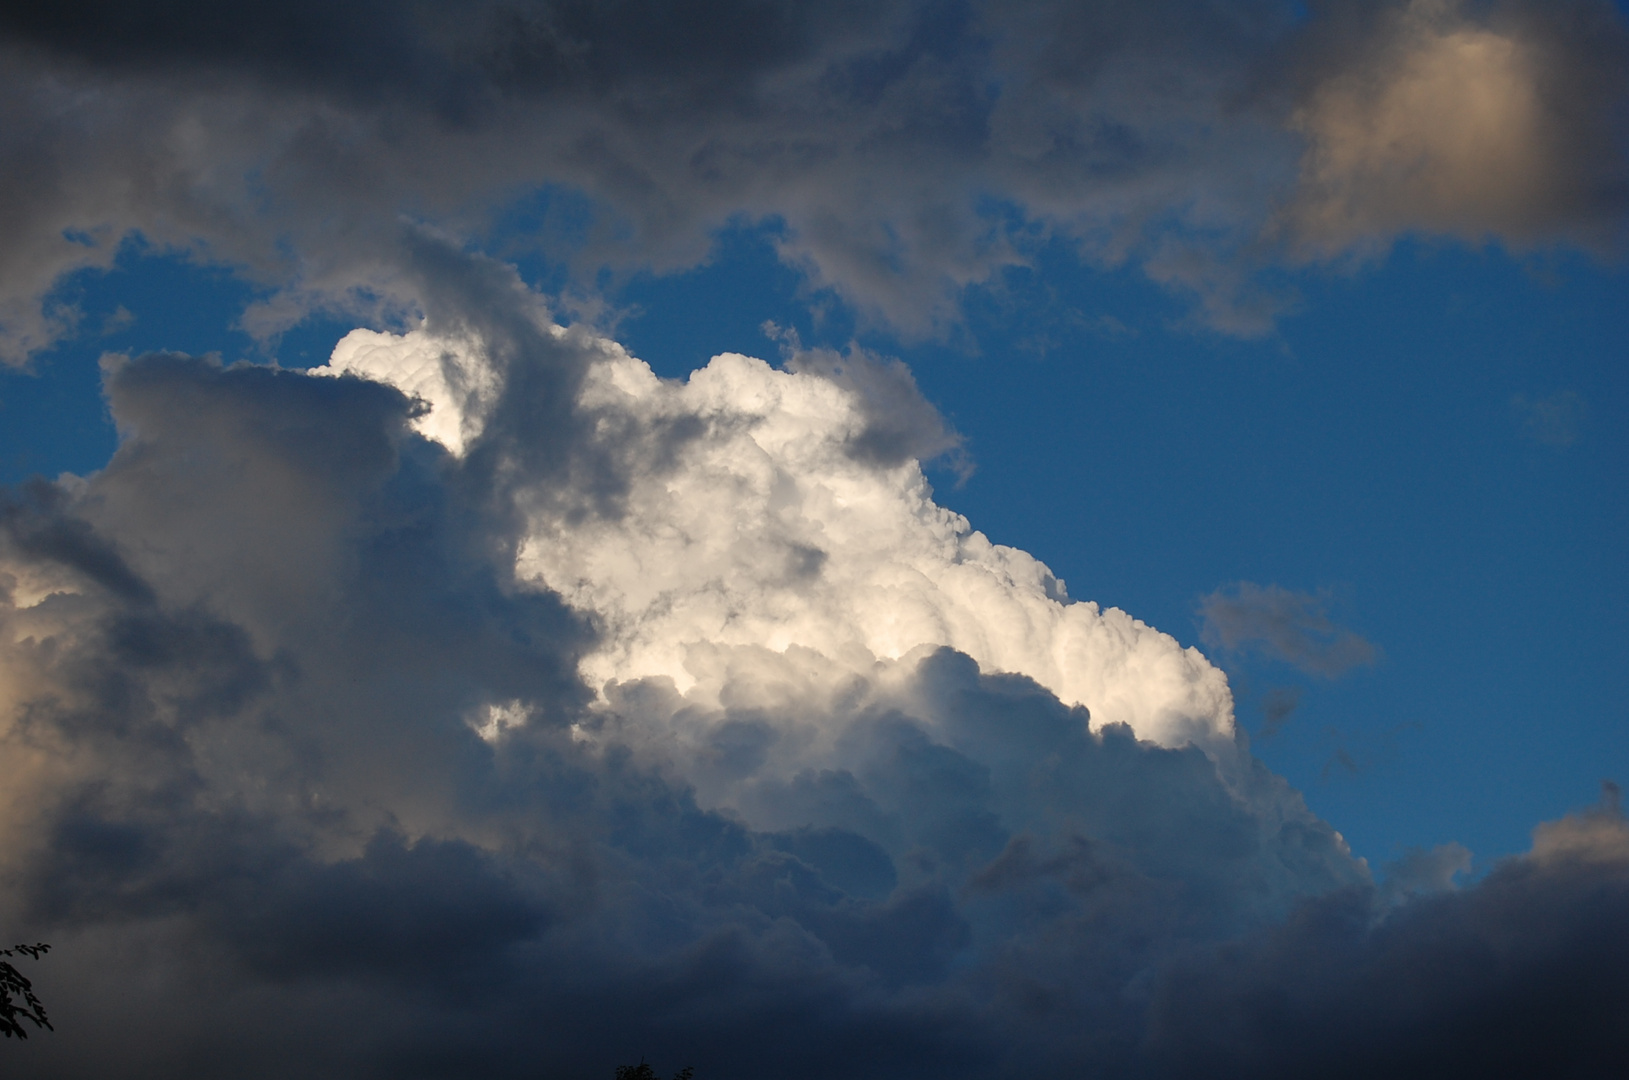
[(17, 1000), (642, 1071)]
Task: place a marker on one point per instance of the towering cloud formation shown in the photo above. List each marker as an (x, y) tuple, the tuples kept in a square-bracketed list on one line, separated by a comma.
[(751, 509), (553, 718), (497, 708)]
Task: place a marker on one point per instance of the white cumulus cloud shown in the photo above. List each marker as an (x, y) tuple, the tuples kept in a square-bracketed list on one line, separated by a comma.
[(751, 518)]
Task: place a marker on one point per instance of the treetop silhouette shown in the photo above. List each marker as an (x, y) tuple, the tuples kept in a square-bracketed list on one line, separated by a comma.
[(17, 1000)]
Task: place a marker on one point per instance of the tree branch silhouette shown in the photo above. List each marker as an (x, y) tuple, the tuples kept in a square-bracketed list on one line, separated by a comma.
[(643, 1071), (17, 1000)]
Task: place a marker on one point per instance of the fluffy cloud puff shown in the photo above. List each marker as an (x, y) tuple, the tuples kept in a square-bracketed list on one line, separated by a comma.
[(303, 775), (756, 508), (902, 151)]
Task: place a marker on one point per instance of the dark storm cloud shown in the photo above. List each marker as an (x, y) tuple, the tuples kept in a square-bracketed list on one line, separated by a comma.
[(903, 152), (452, 59), (1283, 625), (243, 672), (1521, 975)]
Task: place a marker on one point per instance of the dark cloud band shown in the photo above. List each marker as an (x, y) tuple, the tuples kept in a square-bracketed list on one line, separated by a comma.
[(900, 153)]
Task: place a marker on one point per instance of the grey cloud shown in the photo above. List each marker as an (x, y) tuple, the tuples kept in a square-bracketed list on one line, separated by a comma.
[(1420, 872), (243, 667), (249, 807), (1288, 626), (33, 526), (853, 864), (908, 152), (901, 424), (1276, 707), (1518, 975)]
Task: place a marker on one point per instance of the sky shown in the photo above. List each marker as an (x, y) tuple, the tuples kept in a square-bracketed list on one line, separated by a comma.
[(812, 540)]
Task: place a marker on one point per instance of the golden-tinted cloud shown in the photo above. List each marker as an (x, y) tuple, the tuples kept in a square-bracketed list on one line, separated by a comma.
[(1447, 124)]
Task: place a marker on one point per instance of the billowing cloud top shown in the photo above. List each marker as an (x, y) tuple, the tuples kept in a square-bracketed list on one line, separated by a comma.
[(747, 513), (566, 714)]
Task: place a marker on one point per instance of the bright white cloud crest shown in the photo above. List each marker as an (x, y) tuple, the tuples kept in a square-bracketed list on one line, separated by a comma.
[(764, 530)]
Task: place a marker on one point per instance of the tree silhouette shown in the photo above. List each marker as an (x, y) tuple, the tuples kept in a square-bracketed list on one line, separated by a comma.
[(15, 987), (643, 1071)]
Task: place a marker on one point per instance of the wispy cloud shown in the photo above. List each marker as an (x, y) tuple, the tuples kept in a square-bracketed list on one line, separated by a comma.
[(1276, 706), (1423, 873), (1556, 420), (1291, 627)]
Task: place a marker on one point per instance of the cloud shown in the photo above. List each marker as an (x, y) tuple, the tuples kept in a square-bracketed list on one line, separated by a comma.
[(1514, 975), (1422, 873), (1276, 706), (1476, 122), (901, 425), (247, 773), (486, 701), (1550, 421), (1290, 627), (1353, 753), (899, 154), (559, 714), (750, 507)]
